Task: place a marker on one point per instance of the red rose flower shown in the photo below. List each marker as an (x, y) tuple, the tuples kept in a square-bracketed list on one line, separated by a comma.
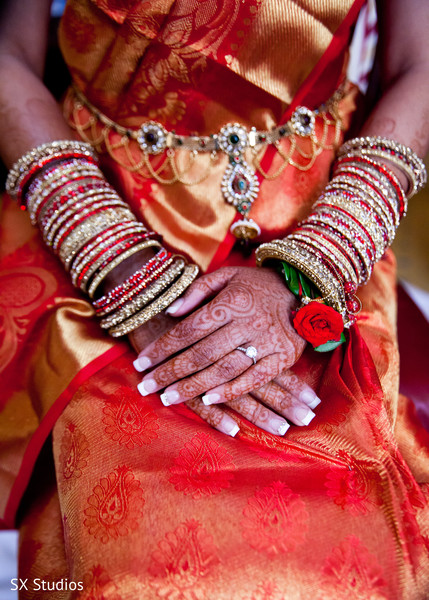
[(318, 323)]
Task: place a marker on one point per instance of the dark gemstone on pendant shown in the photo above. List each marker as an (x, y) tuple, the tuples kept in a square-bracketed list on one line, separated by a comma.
[(305, 120), (234, 139), (179, 141), (282, 131), (151, 138), (240, 184)]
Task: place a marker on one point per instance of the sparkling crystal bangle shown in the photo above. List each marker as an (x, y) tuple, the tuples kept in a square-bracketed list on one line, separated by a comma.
[(402, 156), (116, 262), (52, 150), (145, 296), (158, 305)]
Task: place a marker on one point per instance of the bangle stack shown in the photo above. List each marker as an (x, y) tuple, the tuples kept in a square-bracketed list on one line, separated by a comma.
[(93, 231), (353, 221)]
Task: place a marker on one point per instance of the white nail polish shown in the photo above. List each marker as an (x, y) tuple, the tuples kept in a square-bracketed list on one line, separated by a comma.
[(142, 363), (303, 414), (147, 386), (315, 403), (170, 397), (210, 399), (283, 428), (164, 399), (174, 306), (307, 396), (233, 431)]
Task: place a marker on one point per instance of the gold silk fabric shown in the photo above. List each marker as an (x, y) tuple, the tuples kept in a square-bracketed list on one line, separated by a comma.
[(194, 66), (150, 502)]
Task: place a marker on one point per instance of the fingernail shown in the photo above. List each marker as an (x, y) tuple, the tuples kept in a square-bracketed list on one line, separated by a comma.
[(283, 428), (231, 429), (147, 386), (174, 306), (303, 414), (142, 363), (210, 399), (309, 397), (171, 397), (315, 403)]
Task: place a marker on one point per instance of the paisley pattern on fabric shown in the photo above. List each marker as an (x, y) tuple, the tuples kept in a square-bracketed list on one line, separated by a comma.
[(115, 506), (275, 520), (203, 468), (184, 558), (129, 422), (353, 573), (74, 454), (24, 289)]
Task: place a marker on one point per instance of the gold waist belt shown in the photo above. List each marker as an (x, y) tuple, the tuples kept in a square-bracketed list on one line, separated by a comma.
[(244, 148)]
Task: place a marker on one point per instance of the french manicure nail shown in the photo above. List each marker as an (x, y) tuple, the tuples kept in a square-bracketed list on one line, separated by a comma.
[(171, 397), (147, 386), (142, 363), (308, 397), (315, 403), (283, 428), (231, 429), (210, 399), (303, 414), (174, 306)]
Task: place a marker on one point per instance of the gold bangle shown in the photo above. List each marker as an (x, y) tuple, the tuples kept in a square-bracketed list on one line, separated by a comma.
[(161, 303), (117, 261), (92, 226), (103, 240), (46, 185), (112, 251), (140, 301), (289, 251)]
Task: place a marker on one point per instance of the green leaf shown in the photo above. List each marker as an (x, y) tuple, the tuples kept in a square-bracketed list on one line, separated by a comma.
[(305, 285), (294, 282), (331, 345), (286, 271)]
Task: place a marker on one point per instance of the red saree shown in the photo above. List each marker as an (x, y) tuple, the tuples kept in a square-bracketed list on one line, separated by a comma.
[(150, 502)]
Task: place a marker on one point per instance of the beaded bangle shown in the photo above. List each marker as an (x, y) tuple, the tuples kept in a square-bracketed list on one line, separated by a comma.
[(91, 249), (136, 297), (92, 226), (79, 202), (158, 305), (52, 151), (134, 284), (140, 300), (351, 223), (100, 204), (103, 258), (41, 193), (117, 261), (402, 156)]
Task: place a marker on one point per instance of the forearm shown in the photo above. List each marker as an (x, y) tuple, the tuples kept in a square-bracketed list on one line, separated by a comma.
[(402, 113), (29, 115)]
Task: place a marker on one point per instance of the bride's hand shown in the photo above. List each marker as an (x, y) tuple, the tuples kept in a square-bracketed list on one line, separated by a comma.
[(199, 356)]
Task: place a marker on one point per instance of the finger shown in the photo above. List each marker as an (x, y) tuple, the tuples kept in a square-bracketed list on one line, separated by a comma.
[(198, 357), (253, 378), (298, 388), (284, 403), (258, 414), (226, 368), (205, 287), (214, 416), (191, 330)]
